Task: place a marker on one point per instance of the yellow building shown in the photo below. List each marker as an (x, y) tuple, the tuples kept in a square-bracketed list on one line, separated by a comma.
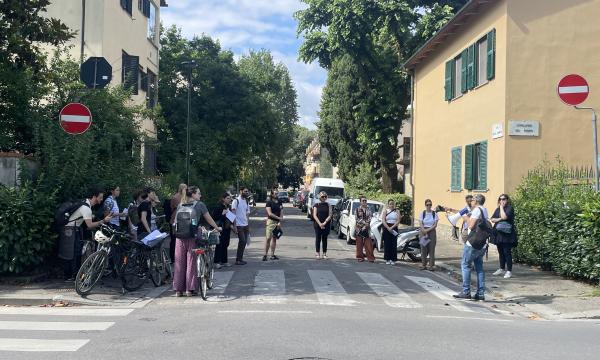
[(126, 34), (484, 96)]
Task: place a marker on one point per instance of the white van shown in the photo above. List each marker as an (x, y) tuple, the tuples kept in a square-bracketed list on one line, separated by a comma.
[(333, 187)]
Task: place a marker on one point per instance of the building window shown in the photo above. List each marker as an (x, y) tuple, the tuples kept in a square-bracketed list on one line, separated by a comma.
[(476, 166), (455, 183), (406, 148), (149, 160), (458, 65), (130, 72), (152, 90), (482, 61), (152, 26), (127, 5)]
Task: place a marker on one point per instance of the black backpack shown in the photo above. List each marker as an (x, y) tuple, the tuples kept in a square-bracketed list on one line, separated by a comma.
[(481, 234), (64, 212)]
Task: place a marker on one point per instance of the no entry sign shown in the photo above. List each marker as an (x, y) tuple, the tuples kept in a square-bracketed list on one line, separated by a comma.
[(75, 118), (573, 89)]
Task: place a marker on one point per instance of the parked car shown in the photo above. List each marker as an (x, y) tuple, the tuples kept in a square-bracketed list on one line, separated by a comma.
[(337, 213), (283, 197), (347, 221)]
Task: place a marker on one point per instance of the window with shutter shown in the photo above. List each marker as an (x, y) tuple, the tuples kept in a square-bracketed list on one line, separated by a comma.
[(143, 81), (456, 77), (482, 166), (456, 169), (469, 149), (448, 82), (491, 54), (463, 71), (130, 72), (127, 5), (471, 82)]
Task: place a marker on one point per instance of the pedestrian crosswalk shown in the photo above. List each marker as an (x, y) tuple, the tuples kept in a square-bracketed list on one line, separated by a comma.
[(53, 329), (336, 288)]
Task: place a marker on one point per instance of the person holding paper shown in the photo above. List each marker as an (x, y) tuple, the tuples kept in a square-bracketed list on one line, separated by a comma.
[(223, 217), (428, 236), (390, 220)]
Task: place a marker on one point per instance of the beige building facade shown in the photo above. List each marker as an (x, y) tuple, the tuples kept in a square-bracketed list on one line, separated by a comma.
[(126, 34), (485, 102)]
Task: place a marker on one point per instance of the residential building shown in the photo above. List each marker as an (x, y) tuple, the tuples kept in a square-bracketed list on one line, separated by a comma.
[(126, 34), (317, 163), (404, 156), (485, 102)]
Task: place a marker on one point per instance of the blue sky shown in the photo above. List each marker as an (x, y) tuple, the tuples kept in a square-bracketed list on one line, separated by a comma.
[(241, 25)]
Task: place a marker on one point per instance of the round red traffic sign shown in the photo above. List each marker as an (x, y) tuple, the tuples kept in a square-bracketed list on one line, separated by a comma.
[(573, 89), (75, 118)]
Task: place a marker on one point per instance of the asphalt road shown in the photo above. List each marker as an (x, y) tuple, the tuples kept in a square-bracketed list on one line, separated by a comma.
[(299, 307)]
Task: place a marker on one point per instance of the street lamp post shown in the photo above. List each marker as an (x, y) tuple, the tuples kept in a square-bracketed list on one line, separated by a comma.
[(187, 142)]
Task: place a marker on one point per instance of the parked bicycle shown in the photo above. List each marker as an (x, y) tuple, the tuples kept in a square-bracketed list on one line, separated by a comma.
[(205, 260), (146, 261)]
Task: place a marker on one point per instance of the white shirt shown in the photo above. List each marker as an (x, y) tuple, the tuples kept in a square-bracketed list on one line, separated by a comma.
[(241, 209), (391, 216), (429, 219), (81, 214)]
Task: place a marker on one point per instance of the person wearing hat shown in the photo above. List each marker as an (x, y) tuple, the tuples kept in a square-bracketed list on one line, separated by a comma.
[(274, 218), (321, 213)]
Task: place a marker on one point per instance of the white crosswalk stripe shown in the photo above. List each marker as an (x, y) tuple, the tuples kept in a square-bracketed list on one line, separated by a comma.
[(40, 331), (389, 292), (221, 280), (269, 287), (328, 288)]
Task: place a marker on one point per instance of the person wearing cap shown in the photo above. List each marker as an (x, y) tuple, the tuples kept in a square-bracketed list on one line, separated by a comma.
[(321, 213)]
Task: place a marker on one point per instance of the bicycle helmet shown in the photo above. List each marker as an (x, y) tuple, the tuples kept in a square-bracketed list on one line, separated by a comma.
[(102, 236)]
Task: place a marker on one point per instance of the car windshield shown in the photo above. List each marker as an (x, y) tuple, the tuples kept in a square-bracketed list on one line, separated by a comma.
[(332, 192), (374, 207)]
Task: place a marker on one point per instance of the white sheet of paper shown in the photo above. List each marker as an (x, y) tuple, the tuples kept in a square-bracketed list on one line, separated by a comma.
[(424, 240), (230, 216), (394, 232)]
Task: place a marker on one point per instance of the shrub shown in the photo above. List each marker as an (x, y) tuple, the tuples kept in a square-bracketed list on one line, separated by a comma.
[(26, 235)]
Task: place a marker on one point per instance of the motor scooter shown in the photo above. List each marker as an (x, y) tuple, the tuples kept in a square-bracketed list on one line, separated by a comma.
[(408, 239)]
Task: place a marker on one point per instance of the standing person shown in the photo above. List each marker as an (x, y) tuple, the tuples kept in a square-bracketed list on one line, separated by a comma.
[(428, 235), (363, 217), (70, 246), (321, 214), (274, 218), (111, 207), (474, 250), (390, 220), (242, 226), (144, 214), (184, 275), (133, 218), (219, 214), (175, 201), (506, 235)]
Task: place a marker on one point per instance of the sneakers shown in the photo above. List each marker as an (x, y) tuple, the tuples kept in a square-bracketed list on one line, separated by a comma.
[(462, 296), (274, 257), (218, 266), (508, 275), (498, 272), (324, 256), (226, 264), (264, 257), (478, 297), (240, 262)]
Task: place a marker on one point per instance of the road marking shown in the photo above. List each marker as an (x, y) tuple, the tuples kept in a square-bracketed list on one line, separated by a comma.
[(466, 318), (221, 280), (389, 292), (53, 311), (55, 325), (264, 312), (41, 344), (329, 290), (440, 291), (269, 287)]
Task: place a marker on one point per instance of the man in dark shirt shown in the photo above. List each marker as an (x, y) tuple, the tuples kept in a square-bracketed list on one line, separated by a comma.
[(145, 213), (274, 218)]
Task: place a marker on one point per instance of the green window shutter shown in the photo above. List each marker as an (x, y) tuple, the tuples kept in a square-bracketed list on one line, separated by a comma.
[(453, 78), (475, 65), (463, 71), (456, 169), (448, 82), (482, 166), (491, 54), (471, 67), (469, 166)]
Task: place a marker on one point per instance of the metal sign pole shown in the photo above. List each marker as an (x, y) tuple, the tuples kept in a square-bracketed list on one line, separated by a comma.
[(595, 135)]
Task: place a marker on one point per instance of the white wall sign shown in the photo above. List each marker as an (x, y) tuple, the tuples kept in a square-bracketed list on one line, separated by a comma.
[(497, 131), (524, 128)]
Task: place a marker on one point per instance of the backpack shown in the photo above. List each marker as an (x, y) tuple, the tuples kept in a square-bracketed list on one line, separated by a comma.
[(64, 212), (481, 234), (186, 221), (425, 213), (167, 210), (132, 213)]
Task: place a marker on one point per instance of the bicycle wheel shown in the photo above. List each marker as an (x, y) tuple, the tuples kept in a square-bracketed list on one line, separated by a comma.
[(154, 268), (201, 267), (166, 259), (211, 269), (90, 272), (134, 272)]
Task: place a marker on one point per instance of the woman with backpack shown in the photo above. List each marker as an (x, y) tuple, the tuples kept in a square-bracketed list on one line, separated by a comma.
[(428, 236), (390, 220), (184, 274), (503, 221), (219, 214)]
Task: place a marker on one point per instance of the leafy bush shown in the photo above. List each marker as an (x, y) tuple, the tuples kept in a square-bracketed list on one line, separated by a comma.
[(26, 236), (403, 204), (557, 223)]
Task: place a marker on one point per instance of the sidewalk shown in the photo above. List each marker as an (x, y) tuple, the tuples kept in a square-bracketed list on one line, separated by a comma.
[(52, 292), (542, 293)]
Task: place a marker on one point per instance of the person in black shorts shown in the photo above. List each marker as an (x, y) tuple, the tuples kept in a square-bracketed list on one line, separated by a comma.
[(274, 218), (321, 213)]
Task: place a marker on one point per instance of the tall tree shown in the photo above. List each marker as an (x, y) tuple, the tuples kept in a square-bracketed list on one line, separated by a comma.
[(291, 171)]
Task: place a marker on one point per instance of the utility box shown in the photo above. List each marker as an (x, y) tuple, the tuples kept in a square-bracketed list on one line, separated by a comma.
[(12, 165)]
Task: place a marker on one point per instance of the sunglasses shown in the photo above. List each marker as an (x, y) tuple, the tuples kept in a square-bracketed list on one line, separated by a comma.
[(428, 204), (502, 199), (323, 197)]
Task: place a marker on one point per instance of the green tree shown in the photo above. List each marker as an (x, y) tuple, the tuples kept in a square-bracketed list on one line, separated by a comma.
[(291, 171), (23, 69), (374, 37)]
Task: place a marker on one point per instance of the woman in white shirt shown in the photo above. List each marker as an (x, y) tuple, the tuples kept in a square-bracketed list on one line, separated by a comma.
[(390, 220), (428, 236)]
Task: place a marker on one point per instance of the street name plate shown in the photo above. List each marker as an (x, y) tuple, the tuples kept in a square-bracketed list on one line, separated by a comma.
[(523, 128), (497, 131)]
